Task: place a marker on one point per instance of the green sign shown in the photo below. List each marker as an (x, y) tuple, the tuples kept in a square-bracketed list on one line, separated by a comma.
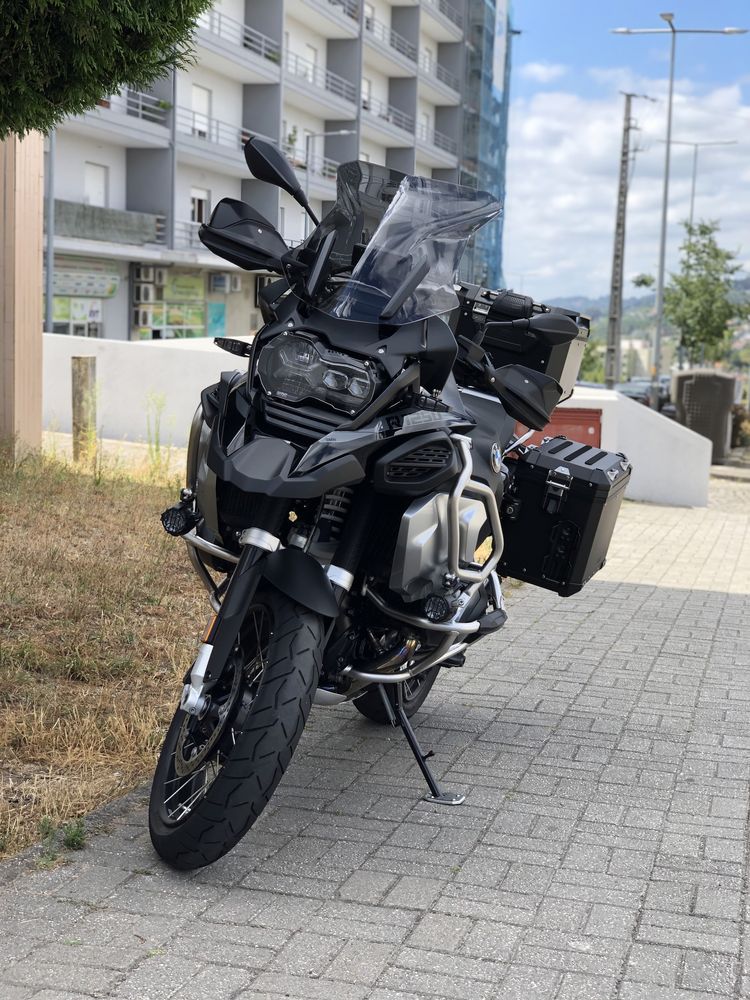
[(184, 286)]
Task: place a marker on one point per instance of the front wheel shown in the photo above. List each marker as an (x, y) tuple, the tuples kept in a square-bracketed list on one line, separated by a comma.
[(216, 773)]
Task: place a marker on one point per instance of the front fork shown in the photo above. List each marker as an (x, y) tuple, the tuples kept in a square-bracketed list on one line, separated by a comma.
[(224, 628)]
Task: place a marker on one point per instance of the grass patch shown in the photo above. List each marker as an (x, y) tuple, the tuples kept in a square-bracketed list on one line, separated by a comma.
[(99, 614)]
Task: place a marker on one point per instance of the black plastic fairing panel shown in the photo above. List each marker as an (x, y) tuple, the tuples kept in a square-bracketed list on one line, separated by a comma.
[(299, 576), (264, 465)]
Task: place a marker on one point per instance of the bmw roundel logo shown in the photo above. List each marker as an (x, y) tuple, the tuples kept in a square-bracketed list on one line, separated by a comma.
[(496, 457)]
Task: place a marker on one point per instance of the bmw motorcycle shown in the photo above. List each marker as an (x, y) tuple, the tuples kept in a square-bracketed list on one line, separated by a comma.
[(349, 490)]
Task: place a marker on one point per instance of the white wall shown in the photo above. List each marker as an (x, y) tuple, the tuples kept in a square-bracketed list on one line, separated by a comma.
[(671, 464), (371, 149), (220, 186), (72, 151), (301, 35), (126, 374), (226, 94)]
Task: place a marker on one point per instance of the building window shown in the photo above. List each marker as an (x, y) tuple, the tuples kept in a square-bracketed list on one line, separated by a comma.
[(95, 184), (201, 105), (311, 55), (366, 93), (200, 204)]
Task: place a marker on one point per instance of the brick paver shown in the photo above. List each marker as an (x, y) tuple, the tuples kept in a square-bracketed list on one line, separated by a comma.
[(603, 745)]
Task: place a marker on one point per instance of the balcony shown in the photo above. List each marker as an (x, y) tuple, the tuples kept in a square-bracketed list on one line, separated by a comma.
[(435, 148), (383, 123), (339, 95), (237, 50), (332, 18), (202, 140), (446, 22), (394, 52), (316, 174), (186, 236), (437, 83), (77, 221), (131, 118)]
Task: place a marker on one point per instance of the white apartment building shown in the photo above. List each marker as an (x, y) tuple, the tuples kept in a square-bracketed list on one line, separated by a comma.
[(330, 80)]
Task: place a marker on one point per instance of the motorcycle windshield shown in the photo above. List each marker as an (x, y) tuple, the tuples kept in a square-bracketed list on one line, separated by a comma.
[(424, 229)]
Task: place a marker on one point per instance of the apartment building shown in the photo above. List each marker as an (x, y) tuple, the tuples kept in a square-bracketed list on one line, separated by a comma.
[(415, 85)]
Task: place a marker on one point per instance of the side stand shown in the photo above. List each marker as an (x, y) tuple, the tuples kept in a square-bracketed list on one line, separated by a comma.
[(397, 717)]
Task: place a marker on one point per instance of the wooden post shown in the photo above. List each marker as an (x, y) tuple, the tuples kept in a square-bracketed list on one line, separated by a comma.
[(83, 371), (21, 206)]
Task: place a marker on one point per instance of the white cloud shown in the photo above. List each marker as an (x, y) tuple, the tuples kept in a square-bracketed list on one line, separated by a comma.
[(542, 72), (563, 164)]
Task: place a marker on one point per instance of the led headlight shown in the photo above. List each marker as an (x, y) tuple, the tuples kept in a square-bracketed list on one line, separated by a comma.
[(294, 368)]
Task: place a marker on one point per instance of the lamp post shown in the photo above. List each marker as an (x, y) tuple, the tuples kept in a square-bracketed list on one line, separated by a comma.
[(696, 146), (308, 146), (673, 32)]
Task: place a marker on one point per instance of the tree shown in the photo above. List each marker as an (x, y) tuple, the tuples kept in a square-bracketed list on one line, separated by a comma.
[(59, 57), (592, 363), (698, 299)]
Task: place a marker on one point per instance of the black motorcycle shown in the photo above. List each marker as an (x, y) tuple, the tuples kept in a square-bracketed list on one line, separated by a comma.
[(353, 493)]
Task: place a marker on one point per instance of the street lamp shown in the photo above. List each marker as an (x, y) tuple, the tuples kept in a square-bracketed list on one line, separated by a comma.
[(309, 136), (674, 32), (696, 146)]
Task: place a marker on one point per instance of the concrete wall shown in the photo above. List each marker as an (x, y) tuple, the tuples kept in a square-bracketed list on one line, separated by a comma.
[(127, 373), (671, 464)]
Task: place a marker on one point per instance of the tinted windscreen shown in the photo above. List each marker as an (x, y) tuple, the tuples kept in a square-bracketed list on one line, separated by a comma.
[(424, 230)]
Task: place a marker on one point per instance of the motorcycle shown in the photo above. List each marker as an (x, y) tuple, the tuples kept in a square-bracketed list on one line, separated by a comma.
[(349, 492)]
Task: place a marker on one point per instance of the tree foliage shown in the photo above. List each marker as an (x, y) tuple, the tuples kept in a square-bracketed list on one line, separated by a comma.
[(698, 302), (592, 363), (59, 57)]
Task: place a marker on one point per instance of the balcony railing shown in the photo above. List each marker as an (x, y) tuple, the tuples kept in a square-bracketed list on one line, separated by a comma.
[(186, 236), (388, 113), (321, 166), (319, 77), (433, 68), (348, 7), (447, 10), (139, 105), (438, 139), (237, 33), (107, 225), (390, 37), (219, 133)]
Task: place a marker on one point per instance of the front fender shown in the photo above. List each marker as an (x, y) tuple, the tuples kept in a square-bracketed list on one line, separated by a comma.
[(299, 576)]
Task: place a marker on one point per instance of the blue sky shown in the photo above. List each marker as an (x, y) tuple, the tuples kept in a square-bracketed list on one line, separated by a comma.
[(576, 33), (565, 130)]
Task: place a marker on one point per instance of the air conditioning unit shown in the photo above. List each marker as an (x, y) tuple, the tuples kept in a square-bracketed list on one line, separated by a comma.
[(144, 272), (218, 283), (235, 282), (160, 275), (143, 293), (141, 317)]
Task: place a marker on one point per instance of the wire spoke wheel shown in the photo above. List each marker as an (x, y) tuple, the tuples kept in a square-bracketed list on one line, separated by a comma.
[(216, 773), (204, 743)]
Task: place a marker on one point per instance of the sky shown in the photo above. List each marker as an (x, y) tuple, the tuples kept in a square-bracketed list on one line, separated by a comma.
[(565, 133)]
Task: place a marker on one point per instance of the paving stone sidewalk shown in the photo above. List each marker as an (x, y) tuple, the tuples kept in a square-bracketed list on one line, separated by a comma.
[(603, 743)]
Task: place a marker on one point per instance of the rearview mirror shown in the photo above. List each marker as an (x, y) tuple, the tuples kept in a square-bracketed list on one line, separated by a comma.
[(268, 163), (553, 327)]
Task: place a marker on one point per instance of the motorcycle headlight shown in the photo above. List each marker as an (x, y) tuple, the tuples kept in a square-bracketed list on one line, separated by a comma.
[(294, 368)]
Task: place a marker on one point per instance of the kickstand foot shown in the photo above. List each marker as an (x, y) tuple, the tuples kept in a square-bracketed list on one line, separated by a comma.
[(398, 717)]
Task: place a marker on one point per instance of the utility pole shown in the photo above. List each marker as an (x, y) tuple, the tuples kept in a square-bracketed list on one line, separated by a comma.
[(612, 357)]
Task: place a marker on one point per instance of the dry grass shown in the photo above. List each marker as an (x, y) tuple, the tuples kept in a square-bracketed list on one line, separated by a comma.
[(99, 614)]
